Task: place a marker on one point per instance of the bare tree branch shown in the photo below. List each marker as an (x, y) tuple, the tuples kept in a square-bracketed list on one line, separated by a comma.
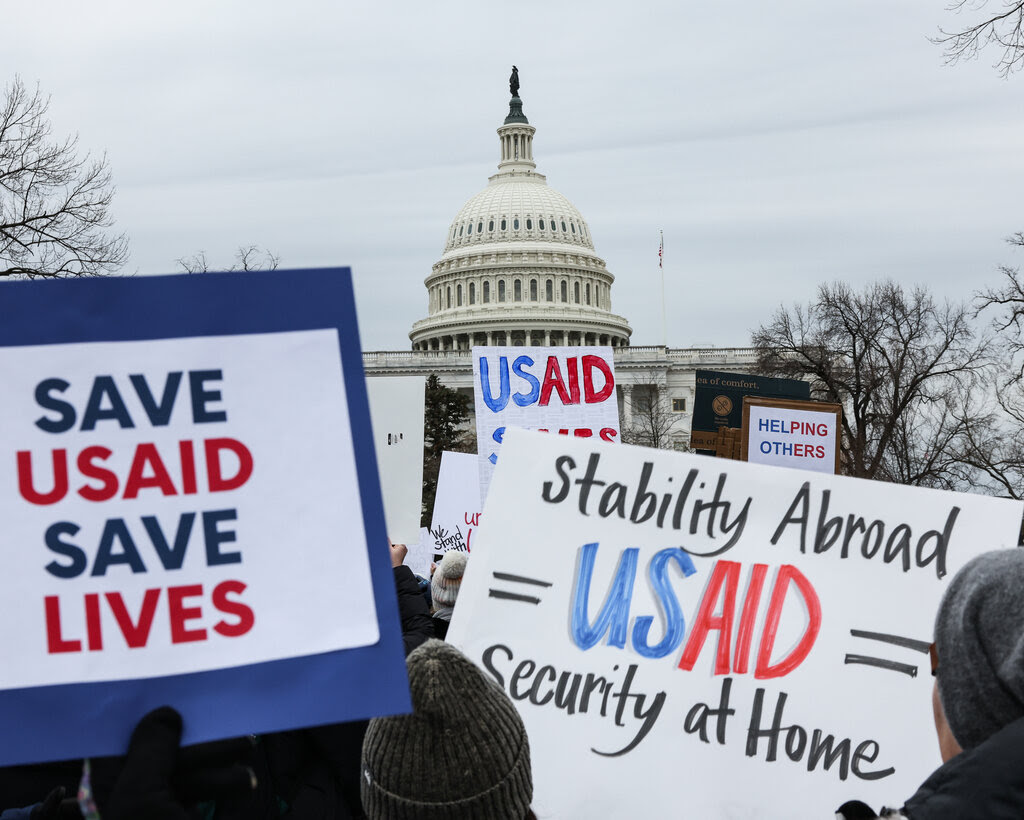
[(54, 204), (900, 366), (651, 422), (1004, 30), (247, 258)]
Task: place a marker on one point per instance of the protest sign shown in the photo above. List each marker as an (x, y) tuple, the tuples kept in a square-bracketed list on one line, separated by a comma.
[(718, 401), (564, 390), (800, 434), (396, 414), (687, 636), (191, 512), (456, 504), (421, 553)]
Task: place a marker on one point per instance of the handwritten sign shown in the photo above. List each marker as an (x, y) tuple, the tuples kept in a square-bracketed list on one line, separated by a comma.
[(687, 636), (456, 504), (799, 434), (186, 482), (564, 390), (396, 413)]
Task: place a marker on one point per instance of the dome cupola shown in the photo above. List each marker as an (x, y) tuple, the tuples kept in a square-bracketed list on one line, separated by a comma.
[(518, 265)]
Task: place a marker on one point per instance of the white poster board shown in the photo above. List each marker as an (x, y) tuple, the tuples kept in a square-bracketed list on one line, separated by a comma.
[(565, 390), (186, 481), (650, 677), (804, 435), (396, 414), (456, 504)]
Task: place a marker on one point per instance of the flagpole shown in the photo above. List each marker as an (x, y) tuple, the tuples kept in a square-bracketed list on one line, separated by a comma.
[(661, 265)]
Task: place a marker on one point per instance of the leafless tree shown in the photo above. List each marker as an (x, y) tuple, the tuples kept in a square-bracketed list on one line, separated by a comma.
[(1004, 29), (901, 367), (54, 203), (247, 258), (651, 423), (997, 437)]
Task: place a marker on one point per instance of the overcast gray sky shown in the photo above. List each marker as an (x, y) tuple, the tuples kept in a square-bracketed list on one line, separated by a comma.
[(777, 144)]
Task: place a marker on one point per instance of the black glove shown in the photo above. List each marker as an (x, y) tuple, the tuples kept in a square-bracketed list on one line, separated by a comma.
[(855, 810), (158, 780), (56, 807)]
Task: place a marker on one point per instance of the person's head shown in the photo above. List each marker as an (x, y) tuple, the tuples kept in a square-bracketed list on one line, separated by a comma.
[(462, 753), (447, 578), (979, 651)]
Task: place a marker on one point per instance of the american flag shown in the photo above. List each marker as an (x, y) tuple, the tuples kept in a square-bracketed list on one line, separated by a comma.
[(661, 250)]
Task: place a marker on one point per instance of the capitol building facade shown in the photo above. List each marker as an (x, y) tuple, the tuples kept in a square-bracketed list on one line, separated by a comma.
[(519, 267)]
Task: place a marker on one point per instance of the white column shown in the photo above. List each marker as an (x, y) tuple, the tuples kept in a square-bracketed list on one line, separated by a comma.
[(627, 403)]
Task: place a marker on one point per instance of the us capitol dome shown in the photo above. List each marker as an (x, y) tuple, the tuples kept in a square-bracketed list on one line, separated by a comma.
[(519, 266)]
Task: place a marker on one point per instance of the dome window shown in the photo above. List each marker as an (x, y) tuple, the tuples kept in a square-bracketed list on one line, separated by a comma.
[(504, 224), (533, 290), (490, 225), (588, 293), (487, 292), (472, 292), (480, 226), (515, 224), (542, 224), (549, 291), (501, 290), (576, 292), (529, 224), (460, 231), (469, 232), (517, 290), (565, 291), (449, 296), (458, 295), (573, 224), (564, 229)]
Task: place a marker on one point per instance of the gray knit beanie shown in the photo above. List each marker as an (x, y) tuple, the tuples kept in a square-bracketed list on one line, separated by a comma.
[(444, 586), (462, 753), (979, 639)]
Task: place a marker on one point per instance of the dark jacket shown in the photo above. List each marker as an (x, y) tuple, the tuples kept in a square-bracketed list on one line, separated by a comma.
[(984, 782), (315, 772)]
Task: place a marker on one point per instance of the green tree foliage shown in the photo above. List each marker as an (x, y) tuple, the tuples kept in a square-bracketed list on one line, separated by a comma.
[(445, 418)]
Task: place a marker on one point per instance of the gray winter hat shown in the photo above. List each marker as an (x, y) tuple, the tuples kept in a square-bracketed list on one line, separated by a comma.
[(462, 753), (979, 639)]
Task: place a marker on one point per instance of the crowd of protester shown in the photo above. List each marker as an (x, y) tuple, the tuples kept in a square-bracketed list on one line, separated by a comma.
[(463, 752)]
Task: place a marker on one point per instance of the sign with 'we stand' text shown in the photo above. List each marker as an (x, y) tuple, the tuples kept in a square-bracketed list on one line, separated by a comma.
[(186, 481), (696, 637)]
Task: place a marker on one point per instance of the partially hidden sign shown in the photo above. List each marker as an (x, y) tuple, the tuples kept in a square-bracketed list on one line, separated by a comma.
[(191, 512), (800, 434), (718, 401), (457, 505), (697, 637), (396, 415), (564, 390)]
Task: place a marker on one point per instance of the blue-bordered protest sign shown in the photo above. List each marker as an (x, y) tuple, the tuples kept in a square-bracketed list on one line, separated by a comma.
[(191, 512)]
